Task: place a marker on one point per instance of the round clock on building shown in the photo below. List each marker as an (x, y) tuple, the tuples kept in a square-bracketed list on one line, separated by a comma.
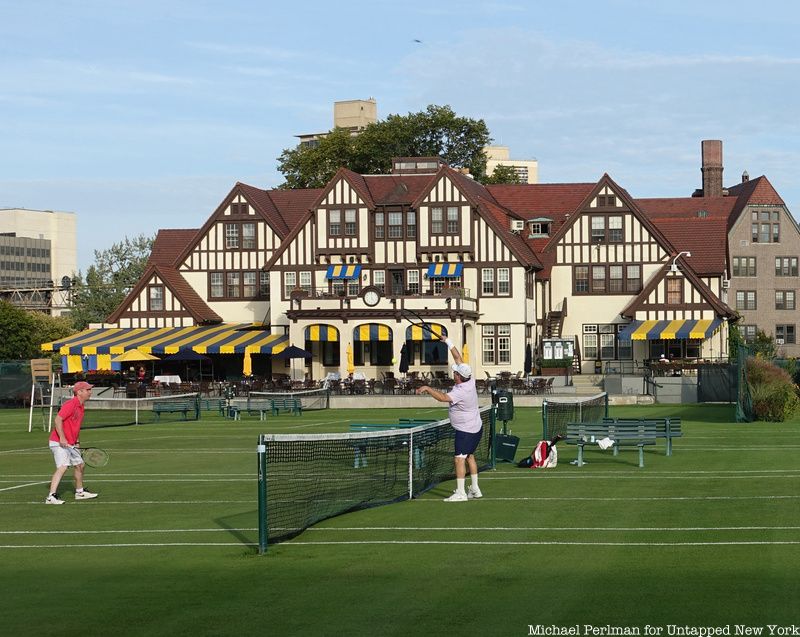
[(371, 296)]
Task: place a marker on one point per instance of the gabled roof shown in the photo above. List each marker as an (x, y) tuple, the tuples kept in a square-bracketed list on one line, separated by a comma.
[(355, 180), (755, 191), (468, 187), (185, 293), (396, 189), (696, 224), (638, 302), (168, 244)]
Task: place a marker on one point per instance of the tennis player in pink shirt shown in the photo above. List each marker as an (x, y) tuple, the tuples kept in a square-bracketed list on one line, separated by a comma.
[(466, 420)]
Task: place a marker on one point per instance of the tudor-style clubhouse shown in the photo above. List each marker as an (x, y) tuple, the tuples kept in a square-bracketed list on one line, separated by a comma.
[(585, 270)]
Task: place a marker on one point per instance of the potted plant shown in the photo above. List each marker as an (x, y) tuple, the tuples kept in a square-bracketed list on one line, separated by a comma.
[(556, 366)]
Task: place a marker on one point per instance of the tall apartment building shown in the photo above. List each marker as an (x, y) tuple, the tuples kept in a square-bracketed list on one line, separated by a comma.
[(354, 115), (526, 169), (38, 250)]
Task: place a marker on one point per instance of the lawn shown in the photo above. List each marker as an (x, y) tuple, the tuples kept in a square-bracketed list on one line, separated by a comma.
[(707, 537)]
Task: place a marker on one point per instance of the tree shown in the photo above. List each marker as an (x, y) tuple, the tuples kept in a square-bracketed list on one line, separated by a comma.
[(109, 280), (436, 131), (25, 331), (503, 174)]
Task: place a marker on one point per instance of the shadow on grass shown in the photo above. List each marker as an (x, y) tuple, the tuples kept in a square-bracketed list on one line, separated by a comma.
[(239, 526)]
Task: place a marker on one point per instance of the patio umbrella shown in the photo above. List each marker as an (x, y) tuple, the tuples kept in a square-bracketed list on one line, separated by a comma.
[(465, 353), (187, 356), (528, 360), (247, 365), (133, 355), (290, 353), (404, 359), (350, 366)]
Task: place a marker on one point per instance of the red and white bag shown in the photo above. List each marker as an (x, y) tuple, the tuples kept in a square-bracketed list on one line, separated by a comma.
[(545, 455)]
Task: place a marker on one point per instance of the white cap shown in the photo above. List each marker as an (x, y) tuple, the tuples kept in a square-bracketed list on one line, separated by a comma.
[(463, 370)]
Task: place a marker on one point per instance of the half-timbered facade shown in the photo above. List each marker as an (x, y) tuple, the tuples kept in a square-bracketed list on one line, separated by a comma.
[(495, 267)]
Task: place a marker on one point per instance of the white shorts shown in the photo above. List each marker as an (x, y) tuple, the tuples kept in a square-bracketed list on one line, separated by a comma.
[(65, 456)]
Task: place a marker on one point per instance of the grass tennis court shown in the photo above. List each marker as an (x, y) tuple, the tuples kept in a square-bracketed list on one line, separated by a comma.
[(707, 537)]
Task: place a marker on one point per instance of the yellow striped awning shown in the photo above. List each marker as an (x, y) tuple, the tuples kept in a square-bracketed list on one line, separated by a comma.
[(416, 333), (372, 332), (321, 332), (680, 329), (225, 338)]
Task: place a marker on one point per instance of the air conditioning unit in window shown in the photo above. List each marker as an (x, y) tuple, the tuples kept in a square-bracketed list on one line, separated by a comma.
[(779, 341), (517, 225), (726, 283)]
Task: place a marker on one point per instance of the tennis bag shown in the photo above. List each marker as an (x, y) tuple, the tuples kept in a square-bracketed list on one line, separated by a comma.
[(543, 456)]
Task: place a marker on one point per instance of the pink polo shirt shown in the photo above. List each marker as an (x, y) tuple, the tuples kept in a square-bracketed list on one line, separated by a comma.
[(464, 412)]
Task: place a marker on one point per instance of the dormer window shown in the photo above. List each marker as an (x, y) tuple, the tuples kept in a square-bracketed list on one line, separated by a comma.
[(539, 227)]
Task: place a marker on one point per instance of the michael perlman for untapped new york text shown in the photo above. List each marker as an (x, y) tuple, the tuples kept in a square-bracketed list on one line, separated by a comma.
[(667, 630)]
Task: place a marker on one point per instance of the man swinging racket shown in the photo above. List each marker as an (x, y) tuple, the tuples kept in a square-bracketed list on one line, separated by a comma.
[(64, 444), (466, 420)]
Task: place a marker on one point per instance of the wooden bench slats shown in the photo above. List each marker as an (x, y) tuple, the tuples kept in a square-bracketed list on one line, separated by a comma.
[(174, 407)]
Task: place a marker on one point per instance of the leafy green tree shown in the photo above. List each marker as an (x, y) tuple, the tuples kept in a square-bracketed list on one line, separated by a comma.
[(436, 131), (764, 345), (503, 174), (107, 282), (24, 331)]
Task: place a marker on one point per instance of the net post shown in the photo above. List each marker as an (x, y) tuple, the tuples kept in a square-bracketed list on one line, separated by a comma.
[(606, 406), (410, 465), (261, 451), (544, 420), (492, 421)]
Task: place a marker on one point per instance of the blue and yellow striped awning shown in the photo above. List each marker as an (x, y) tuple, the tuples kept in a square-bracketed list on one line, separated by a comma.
[(225, 338), (343, 272), (372, 332), (680, 329), (321, 332), (445, 269), (416, 333)]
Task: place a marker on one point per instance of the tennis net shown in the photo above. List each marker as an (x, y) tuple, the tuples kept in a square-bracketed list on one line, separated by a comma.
[(557, 412), (114, 412), (309, 399), (304, 479)]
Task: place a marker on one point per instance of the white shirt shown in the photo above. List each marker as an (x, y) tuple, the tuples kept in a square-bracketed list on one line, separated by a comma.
[(464, 412)]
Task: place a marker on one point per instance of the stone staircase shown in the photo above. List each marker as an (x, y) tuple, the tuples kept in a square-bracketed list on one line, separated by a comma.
[(587, 384)]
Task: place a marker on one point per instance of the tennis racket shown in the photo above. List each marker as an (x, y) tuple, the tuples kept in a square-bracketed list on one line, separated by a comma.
[(415, 319), (93, 456)]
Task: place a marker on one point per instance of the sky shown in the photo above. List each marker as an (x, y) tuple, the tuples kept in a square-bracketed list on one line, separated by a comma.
[(140, 115)]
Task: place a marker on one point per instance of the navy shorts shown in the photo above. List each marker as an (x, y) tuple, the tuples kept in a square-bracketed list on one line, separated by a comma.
[(467, 443)]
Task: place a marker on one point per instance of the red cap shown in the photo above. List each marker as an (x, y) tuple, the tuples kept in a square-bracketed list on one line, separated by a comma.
[(81, 384)]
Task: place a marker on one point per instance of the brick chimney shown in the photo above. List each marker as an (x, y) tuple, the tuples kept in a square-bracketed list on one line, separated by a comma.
[(712, 167)]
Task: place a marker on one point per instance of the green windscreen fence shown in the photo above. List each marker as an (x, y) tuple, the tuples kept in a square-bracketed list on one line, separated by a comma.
[(15, 382), (744, 401)]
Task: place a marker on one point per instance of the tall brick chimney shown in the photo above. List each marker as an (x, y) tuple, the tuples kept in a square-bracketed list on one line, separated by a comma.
[(712, 167)]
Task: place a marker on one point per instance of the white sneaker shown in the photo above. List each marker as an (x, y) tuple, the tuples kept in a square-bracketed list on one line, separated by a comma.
[(474, 493), (458, 496), (84, 495), (53, 499)]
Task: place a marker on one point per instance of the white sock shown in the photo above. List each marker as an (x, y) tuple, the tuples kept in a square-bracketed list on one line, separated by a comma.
[(474, 479), (79, 490), (460, 485)]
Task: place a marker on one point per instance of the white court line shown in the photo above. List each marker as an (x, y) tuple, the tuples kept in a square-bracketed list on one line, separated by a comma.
[(124, 545), (536, 528), (101, 502), (400, 542), (544, 543), (22, 486), (421, 529)]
